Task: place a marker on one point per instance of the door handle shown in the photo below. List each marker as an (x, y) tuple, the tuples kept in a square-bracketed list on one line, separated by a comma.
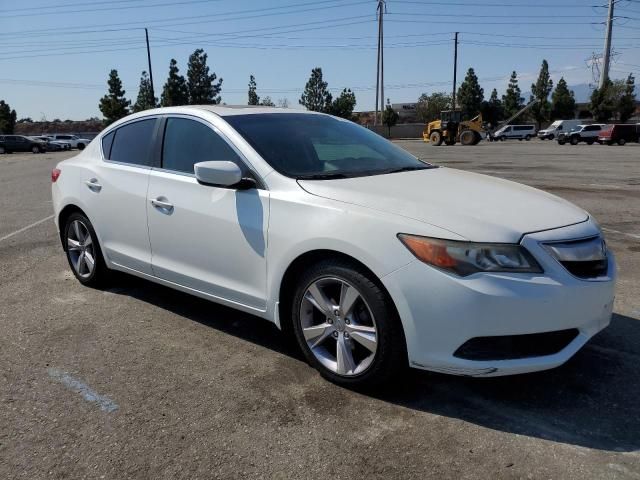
[(93, 185), (162, 204)]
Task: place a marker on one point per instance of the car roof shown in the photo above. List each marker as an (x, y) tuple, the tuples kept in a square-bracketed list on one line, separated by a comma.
[(229, 110)]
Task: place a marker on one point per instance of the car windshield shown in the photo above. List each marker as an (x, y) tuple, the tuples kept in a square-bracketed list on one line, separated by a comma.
[(321, 147)]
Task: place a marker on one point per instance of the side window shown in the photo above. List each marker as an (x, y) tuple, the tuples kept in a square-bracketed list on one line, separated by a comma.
[(187, 142), (107, 141), (132, 143), (559, 127)]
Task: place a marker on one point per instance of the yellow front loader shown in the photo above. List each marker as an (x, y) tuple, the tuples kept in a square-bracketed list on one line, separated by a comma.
[(451, 129)]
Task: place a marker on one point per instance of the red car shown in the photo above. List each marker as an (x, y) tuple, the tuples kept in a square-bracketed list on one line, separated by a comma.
[(620, 134)]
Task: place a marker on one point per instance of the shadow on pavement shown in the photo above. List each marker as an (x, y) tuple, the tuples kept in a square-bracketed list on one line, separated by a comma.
[(592, 401)]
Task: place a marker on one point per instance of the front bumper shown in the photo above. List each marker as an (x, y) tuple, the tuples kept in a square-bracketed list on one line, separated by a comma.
[(440, 312)]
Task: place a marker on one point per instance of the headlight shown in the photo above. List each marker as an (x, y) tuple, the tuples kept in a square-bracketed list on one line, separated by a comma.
[(466, 258)]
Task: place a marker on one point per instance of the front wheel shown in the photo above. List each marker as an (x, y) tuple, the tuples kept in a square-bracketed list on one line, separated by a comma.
[(551, 137), (527, 138), (435, 138), (35, 149), (2, 150), (83, 251), (574, 140), (621, 141), (561, 141), (81, 146), (346, 325)]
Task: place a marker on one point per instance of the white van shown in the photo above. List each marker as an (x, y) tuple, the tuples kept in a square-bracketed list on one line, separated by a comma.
[(515, 131), (556, 128)]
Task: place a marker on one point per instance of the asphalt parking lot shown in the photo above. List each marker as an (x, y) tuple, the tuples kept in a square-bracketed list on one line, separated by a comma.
[(139, 381)]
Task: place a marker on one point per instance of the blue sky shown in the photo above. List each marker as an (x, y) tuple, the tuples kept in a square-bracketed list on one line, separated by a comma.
[(56, 55)]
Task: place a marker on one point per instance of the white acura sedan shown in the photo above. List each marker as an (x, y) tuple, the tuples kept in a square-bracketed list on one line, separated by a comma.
[(374, 259)]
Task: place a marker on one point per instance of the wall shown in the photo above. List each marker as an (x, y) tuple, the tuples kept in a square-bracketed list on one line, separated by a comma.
[(402, 130)]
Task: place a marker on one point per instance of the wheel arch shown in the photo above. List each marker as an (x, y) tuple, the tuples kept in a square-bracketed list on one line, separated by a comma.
[(64, 214), (305, 260)]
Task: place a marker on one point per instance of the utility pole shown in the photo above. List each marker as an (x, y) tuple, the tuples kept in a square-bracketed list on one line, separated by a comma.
[(146, 34), (607, 46), (455, 69), (380, 9)]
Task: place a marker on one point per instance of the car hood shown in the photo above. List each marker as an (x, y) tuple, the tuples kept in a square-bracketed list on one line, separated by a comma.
[(477, 207)]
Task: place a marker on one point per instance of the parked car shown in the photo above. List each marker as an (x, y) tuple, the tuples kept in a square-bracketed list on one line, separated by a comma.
[(581, 133), (620, 134), (373, 259), (54, 145), (556, 128), (521, 132), (74, 140), (20, 143)]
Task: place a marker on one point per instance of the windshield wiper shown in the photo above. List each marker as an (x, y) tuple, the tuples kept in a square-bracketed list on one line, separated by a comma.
[(322, 176), (406, 169)]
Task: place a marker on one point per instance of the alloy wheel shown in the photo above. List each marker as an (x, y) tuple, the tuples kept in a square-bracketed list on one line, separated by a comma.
[(80, 249), (338, 326)]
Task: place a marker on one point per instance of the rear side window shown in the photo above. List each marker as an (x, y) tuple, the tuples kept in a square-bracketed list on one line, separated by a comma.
[(187, 142), (522, 128), (132, 143), (107, 141)]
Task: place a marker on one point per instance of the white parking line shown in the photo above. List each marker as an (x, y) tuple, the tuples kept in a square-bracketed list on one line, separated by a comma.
[(610, 230), (24, 229), (90, 395)]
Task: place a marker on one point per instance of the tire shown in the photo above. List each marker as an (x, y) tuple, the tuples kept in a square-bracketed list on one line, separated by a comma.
[(81, 146), (551, 137), (35, 149), (2, 150), (527, 138), (621, 141), (589, 142), (561, 141), (75, 245), (502, 138), (435, 138), (574, 140), (380, 353), (468, 137)]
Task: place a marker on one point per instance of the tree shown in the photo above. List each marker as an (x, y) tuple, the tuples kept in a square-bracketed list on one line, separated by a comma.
[(283, 103), (174, 92), (512, 100), (254, 99), (540, 91), (389, 117), (7, 118), (603, 102), (267, 102), (145, 99), (114, 105), (201, 84), (25, 120), (470, 95), (563, 103), (430, 106), (493, 110), (316, 97), (627, 101), (343, 105)]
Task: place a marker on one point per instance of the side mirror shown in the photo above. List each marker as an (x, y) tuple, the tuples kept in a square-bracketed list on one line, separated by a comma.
[(218, 173)]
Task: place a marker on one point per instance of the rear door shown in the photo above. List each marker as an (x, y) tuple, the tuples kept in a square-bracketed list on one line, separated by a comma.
[(207, 238), (115, 190)]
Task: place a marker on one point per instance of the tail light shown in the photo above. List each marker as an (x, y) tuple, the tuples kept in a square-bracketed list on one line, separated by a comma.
[(55, 173)]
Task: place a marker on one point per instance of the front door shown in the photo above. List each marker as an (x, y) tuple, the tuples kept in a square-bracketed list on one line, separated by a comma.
[(206, 238)]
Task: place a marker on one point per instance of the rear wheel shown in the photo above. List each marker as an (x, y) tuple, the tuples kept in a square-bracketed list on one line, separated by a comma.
[(83, 251), (346, 325), (2, 150), (561, 141), (621, 141), (435, 138), (574, 140), (551, 137), (81, 146), (527, 138), (35, 149), (589, 142)]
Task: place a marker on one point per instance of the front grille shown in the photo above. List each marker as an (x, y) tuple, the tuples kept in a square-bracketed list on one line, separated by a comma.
[(590, 269), (512, 347), (585, 258)]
